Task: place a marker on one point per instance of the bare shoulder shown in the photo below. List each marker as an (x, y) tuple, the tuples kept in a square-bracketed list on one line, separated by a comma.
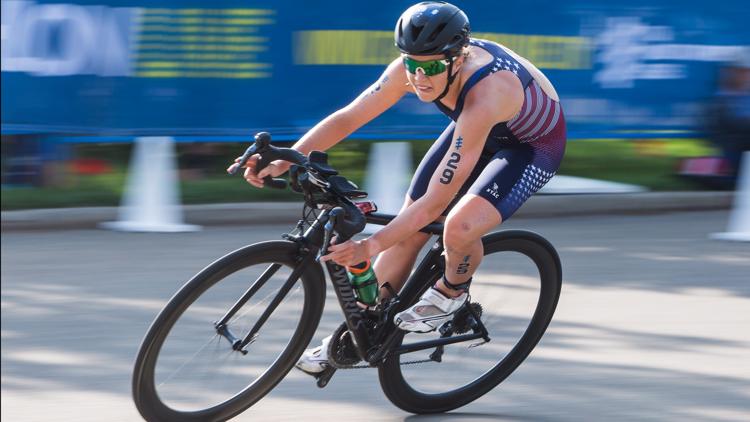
[(396, 75), (385, 91), (499, 96)]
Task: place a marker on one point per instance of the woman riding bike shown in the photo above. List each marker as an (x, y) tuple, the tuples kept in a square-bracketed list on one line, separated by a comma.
[(506, 141)]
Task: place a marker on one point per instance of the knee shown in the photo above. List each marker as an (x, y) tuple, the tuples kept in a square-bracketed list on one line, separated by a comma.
[(458, 232)]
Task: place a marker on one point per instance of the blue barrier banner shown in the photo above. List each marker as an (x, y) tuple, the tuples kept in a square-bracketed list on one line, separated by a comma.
[(230, 68)]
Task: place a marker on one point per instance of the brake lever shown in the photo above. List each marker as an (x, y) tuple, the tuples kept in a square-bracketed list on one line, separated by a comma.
[(260, 146), (234, 168), (328, 228)]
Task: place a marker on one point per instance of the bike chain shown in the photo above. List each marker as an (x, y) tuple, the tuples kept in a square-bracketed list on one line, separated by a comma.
[(414, 362), (334, 349), (335, 342)]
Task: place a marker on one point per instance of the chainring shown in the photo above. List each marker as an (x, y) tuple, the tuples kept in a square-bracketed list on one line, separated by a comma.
[(342, 352)]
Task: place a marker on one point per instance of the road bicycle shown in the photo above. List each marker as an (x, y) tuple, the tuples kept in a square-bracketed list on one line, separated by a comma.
[(237, 328)]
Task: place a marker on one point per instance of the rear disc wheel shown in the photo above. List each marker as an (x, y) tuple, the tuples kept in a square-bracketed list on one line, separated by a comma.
[(516, 289)]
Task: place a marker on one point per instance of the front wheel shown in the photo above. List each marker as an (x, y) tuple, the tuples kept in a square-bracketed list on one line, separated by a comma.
[(515, 289), (187, 368)]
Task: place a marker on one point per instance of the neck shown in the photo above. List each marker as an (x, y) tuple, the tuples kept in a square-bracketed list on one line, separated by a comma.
[(452, 96)]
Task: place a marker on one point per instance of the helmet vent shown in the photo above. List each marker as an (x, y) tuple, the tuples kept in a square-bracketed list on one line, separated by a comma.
[(432, 28), (437, 32), (415, 31)]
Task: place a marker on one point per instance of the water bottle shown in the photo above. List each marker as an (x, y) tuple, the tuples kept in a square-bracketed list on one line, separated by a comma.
[(365, 284)]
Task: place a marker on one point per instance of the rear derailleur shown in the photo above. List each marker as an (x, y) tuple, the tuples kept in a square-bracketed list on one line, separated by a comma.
[(465, 319)]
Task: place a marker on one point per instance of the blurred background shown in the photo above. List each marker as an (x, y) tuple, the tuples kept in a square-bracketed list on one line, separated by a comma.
[(653, 316), (644, 85)]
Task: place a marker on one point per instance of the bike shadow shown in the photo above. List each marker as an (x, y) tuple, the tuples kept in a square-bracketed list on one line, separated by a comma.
[(470, 417)]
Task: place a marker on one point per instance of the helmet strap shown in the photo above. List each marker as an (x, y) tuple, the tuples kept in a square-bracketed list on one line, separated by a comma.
[(451, 77)]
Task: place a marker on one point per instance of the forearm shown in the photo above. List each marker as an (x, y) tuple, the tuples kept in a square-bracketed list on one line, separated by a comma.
[(374, 100), (417, 215), (326, 134)]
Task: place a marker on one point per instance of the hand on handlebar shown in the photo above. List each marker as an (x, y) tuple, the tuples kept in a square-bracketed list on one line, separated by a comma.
[(274, 169), (252, 162), (351, 252)]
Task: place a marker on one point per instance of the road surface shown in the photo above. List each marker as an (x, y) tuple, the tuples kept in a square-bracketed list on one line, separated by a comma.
[(652, 325)]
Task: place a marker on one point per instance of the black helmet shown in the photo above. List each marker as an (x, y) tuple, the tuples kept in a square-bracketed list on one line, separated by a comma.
[(432, 27)]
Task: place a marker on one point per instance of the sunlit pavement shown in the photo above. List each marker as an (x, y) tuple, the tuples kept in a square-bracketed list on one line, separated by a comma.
[(652, 324)]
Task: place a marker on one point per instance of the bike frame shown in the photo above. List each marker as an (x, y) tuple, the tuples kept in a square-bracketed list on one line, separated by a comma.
[(355, 315), (311, 244)]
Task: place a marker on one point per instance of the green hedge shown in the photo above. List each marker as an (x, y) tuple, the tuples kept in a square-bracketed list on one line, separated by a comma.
[(649, 163)]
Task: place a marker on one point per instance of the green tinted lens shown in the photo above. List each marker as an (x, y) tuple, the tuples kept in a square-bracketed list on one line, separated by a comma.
[(429, 67)]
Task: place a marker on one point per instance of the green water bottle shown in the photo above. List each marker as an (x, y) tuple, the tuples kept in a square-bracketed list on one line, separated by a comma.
[(365, 284)]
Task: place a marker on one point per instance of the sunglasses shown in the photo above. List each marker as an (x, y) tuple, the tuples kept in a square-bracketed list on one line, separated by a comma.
[(429, 67)]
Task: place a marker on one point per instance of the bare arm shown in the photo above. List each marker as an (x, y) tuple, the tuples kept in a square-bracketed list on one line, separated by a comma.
[(373, 101)]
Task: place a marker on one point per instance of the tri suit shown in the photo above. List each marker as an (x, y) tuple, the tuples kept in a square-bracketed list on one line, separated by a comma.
[(520, 155)]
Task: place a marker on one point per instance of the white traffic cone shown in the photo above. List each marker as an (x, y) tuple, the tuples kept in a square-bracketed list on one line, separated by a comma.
[(387, 179), (739, 218), (151, 199)]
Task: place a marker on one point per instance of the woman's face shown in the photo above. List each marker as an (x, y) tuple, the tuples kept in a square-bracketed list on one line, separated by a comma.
[(428, 88)]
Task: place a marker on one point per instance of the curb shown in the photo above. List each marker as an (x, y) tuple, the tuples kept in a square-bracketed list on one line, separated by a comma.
[(289, 212)]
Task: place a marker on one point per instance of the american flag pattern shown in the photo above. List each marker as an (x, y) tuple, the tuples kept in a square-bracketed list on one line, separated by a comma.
[(538, 116)]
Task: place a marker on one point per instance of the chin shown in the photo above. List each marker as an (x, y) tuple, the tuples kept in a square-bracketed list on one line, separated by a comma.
[(426, 98)]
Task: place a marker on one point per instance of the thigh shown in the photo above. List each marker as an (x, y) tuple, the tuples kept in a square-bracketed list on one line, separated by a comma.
[(509, 179), (516, 172)]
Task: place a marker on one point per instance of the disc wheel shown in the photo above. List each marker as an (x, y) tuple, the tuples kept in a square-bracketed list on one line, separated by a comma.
[(516, 288)]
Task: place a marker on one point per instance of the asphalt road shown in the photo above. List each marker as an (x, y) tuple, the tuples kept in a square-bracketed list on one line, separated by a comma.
[(652, 325)]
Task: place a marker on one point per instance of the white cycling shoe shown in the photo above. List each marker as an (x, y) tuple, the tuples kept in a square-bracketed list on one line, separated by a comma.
[(315, 360), (432, 310)]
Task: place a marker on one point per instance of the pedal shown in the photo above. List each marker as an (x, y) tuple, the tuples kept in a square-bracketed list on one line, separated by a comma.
[(323, 377), (446, 330)]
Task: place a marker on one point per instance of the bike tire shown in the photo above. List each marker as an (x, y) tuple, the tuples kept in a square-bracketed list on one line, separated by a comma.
[(145, 394), (399, 391)]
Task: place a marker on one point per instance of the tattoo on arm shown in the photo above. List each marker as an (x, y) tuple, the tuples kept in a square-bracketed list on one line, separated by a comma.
[(378, 86), (452, 164)]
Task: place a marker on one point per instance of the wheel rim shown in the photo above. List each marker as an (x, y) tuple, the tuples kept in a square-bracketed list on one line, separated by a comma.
[(196, 369), (509, 286)]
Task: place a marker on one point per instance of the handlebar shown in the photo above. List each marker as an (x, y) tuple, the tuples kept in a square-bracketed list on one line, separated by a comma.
[(347, 220), (268, 154)]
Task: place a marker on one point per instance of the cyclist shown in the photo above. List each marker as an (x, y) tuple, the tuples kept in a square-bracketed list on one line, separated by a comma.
[(506, 141)]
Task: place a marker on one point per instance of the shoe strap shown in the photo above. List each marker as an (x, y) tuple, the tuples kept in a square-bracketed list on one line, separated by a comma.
[(439, 300)]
